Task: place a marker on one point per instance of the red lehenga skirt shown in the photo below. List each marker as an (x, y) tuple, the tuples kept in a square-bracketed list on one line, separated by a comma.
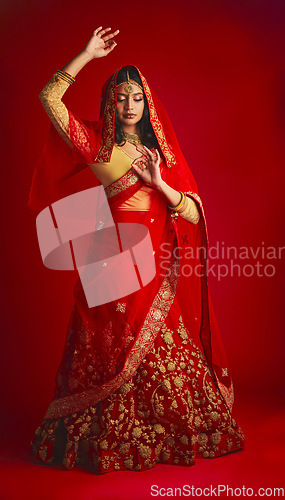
[(169, 412), (170, 409)]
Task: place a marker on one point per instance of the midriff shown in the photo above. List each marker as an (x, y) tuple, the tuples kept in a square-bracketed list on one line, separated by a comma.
[(140, 201)]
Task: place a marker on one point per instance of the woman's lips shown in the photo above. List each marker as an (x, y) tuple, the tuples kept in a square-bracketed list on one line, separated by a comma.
[(129, 115)]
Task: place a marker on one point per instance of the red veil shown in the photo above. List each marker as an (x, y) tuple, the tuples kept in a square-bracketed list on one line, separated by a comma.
[(115, 337)]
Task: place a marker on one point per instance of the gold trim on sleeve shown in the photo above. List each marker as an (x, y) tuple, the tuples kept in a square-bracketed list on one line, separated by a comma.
[(190, 211), (56, 110)]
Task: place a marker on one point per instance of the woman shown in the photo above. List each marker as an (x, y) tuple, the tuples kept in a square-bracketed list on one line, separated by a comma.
[(143, 379)]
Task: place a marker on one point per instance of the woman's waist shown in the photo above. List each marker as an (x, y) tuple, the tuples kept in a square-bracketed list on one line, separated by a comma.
[(140, 201)]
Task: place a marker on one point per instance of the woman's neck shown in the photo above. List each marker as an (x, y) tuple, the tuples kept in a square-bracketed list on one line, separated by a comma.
[(132, 129)]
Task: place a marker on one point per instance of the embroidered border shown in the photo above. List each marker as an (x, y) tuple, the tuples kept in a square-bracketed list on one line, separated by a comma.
[(105, 150), (127, 180), (156, 124)]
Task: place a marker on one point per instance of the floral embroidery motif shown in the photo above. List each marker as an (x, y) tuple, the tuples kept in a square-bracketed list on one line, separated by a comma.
[(121, 307)]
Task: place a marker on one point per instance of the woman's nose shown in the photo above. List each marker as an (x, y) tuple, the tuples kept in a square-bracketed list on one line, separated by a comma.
[(129, 103)]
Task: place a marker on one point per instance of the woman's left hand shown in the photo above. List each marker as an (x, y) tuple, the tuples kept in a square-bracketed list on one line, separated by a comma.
[(147, 166)]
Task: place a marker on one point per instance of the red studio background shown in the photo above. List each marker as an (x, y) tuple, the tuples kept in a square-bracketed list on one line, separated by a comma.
[(218, 67)]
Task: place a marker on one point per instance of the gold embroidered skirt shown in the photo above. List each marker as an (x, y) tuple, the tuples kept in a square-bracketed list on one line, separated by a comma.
[(170, 412)]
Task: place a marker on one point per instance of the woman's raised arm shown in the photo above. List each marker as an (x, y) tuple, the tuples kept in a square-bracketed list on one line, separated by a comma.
[(100, 44)]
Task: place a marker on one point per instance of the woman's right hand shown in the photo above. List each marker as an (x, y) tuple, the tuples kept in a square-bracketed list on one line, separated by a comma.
[(100, 45)]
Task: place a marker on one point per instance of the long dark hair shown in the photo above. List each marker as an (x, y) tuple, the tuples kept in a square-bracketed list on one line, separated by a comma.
[(147, 134)]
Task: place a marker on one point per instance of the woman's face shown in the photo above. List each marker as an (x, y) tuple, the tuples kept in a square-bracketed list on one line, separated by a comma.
[(129, 106)]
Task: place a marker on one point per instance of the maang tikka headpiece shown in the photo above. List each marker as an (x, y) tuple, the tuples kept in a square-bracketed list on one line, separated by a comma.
[(129, 88)]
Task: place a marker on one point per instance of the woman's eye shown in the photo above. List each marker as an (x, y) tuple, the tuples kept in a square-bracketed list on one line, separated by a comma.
[(120, 99)]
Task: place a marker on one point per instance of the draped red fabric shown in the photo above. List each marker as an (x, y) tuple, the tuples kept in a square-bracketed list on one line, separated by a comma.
[(119, 342)]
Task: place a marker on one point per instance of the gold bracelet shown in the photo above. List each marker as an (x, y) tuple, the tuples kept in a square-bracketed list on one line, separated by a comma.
[(180, 204), (187, 206), (68, 75), (65, 76), (62, 77)]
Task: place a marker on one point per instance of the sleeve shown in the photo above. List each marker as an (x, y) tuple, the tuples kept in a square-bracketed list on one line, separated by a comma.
[(51, 98), (77, 133), (190, 211)]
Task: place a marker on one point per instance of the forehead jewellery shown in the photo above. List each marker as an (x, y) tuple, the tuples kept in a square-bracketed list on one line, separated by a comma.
[(129, 89)]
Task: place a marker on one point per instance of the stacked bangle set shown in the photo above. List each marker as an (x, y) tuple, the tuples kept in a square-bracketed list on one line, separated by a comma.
[(182, 206), (65, 76)]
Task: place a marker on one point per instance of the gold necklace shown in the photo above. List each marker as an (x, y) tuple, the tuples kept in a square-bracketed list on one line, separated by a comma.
[(132, 138)]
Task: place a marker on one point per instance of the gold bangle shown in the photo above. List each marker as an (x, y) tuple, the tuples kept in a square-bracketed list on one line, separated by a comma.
[(180, 204), (65, 76), (62, 77), (187, 206)]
